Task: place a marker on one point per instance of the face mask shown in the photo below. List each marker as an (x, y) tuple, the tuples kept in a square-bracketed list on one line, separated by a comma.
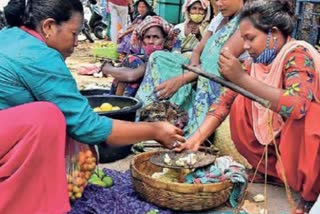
[(268, 54), (197, 18), (149, 49)]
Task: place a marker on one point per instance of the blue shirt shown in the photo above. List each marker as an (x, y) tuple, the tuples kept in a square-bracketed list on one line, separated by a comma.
[(31, 71)]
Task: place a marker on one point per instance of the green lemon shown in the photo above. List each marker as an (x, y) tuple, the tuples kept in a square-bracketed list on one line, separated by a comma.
[(93, 177), (98, 182), (97, 109), (114, 108), (108, 181)]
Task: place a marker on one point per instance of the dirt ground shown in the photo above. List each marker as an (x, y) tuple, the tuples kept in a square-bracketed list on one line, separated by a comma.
[(277, 202), (81, 57)]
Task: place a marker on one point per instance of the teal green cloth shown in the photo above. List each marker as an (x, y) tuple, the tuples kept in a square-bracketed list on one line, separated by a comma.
[(223, 169), (165, 65), (208, 91), (31, 71)]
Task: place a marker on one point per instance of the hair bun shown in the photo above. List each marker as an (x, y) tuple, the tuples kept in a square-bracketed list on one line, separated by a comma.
[(14, 12), (287, 6)]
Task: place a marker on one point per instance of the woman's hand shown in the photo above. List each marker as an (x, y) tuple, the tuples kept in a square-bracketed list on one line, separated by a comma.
[(230, 67), (168, 88), (120, 37), (191, 144), (169, 135)]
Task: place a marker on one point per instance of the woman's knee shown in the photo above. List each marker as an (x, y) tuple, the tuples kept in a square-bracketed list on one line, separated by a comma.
[(49, 114)]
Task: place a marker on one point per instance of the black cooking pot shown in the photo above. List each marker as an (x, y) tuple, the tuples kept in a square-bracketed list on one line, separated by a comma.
[(129, 107), (92, 92)]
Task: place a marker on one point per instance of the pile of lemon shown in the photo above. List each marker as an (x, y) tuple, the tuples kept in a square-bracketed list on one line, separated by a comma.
[(106, 107)]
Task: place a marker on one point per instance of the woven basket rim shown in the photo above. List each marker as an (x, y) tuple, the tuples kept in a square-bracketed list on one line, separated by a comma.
[(178, 187)]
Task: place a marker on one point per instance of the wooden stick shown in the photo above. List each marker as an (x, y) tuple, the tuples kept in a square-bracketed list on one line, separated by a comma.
[(228, 84)]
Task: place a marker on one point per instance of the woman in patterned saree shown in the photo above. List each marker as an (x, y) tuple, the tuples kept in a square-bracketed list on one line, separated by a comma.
[(165, 78), (286, 73), (197, 18), (124, 39), (152, 34)]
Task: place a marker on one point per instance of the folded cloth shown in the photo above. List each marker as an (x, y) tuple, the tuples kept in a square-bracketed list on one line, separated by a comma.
[(224, 168), (119, 199), (88, 69)]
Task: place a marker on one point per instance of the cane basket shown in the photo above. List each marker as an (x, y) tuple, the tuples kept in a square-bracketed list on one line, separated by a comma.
[(176, 196)]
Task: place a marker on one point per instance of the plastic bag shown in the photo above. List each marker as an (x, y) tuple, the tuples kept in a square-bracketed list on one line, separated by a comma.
[(81, 161)]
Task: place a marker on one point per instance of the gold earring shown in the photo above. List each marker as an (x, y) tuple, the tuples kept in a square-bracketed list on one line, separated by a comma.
[(47, 36)]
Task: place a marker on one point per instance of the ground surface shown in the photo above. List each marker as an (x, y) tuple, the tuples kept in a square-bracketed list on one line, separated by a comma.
[(277, 200)]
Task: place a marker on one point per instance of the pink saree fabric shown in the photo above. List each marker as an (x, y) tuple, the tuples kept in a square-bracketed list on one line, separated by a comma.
[(271, 75), (32, 164)]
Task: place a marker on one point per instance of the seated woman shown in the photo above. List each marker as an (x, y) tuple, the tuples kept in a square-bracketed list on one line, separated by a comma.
[(285, 73), (165, 78), (197, 18), (124, 39), (153, 34), (41, 105)]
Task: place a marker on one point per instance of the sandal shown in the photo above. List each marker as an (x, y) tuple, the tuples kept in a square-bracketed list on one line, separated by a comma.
[(259, 178), (304, 207)]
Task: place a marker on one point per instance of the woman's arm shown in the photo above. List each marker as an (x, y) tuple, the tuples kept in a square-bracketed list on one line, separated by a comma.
[(48, 79), (235, 44), (171, 86), (299, 79), (196, 53), (124, 133), (231, 69), (207, 127), (217, 113), (124, 74), (126, 32), (290, 101)]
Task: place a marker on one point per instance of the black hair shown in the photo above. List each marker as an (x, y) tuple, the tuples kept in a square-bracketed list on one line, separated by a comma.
[(3, 22), (31, 12), (149, 9), (267, 14)]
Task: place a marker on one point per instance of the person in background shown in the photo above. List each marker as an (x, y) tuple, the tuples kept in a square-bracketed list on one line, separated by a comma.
[(284, 72), (119, 13), (152, 34), (143, 10), (166, 80), (41, 105), (197, 18)]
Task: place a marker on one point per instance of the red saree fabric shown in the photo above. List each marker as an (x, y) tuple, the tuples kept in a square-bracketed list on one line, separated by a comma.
[(32, 165), (298, 143)]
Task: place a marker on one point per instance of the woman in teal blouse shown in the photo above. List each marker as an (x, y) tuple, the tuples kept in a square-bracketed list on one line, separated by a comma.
[(33, 48)]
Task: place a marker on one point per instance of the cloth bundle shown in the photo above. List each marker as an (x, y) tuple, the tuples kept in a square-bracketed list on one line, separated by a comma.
[(224, 168)]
